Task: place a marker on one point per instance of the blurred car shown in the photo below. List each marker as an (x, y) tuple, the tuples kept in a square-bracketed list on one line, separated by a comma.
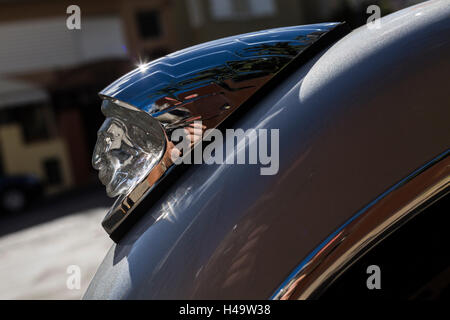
[(18, 192), (363, 180)]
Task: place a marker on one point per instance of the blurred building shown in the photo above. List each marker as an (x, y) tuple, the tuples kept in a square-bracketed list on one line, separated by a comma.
[(28, 140), (49, 79), (50, 75), (128, 28)]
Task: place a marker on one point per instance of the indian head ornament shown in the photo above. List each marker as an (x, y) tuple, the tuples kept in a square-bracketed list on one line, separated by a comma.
[(206, 83)]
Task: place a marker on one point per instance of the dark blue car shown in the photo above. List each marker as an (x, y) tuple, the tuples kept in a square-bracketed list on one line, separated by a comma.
[(17, 192)]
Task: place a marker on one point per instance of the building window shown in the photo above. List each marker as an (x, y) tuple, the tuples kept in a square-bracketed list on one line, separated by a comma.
[(52, 170), (149, 24), (35, 121), (241, 9), (35, 124)]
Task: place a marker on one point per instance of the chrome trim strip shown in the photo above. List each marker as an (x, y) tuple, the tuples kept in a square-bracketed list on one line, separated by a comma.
[(369, 225)]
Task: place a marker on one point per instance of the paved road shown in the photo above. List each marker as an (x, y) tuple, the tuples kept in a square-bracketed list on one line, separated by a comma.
[(34, 259)]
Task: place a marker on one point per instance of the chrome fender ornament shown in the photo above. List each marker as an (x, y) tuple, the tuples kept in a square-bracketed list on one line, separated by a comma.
[(130, 143), (207, 83)]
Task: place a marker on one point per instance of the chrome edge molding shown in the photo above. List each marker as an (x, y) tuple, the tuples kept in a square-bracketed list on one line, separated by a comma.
[(368, 226)]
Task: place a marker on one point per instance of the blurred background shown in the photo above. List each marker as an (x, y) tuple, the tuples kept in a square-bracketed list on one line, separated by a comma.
[(51, 203)]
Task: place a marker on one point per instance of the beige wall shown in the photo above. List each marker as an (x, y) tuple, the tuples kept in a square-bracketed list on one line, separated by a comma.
[(19, 157)]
